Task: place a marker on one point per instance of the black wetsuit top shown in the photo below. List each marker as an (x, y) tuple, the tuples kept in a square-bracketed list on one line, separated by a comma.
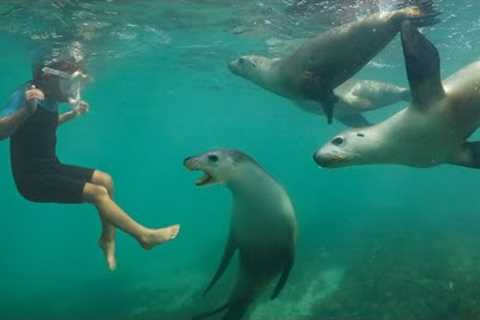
[(34, 142), (38, 174)]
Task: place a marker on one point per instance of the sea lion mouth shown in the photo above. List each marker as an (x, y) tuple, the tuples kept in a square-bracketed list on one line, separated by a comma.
[(204, 180), (328, 161), (193, 164)]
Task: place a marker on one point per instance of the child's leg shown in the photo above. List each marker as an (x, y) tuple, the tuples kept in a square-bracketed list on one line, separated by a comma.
[(111, 212), (107, 238)]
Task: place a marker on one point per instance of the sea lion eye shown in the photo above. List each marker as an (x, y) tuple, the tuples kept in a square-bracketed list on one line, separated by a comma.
[(361, 135), (241, 60), (213, 158), (338, 141)]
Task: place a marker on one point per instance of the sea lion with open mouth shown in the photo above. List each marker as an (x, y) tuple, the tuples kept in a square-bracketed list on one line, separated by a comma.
[(263, 227)]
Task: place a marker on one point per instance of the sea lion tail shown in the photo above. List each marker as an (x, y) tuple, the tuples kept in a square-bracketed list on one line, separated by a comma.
[(422, 13), (245, 292), (236, 310)]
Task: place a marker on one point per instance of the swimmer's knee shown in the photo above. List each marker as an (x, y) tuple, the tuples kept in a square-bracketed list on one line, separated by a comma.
[(108, 183), (94, 193), (103, 179)]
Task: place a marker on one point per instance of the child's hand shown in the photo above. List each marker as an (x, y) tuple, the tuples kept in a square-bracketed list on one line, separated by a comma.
[(33, 96), (81, 108)]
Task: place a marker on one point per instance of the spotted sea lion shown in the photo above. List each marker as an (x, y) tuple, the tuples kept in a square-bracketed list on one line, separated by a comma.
[(262, 230), (435, 127), (323, 63)]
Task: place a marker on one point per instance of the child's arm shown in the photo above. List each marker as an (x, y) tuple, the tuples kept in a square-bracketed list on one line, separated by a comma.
[(19, 110), (10, 123), (72, 114)]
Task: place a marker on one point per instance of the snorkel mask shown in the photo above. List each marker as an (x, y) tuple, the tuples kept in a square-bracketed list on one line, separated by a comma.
[(70, 84)]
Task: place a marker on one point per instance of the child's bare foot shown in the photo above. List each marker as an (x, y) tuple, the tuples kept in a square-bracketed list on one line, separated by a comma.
[(154, 237), (108, 248)]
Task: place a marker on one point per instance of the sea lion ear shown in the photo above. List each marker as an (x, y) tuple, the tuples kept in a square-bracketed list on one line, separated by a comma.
[(422, 62)]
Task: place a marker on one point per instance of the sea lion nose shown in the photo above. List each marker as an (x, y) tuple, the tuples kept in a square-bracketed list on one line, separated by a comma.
[(315, 156), (185, 162), (319, 159)]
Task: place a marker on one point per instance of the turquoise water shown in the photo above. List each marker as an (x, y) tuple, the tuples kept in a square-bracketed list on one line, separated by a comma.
[(376, 242)]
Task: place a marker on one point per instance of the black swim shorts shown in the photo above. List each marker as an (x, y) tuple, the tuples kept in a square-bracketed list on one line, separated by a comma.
[(53, 182)]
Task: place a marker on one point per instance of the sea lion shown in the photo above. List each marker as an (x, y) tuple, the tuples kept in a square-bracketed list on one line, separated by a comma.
[(263, 227), (356, 97), (431, 131), (321, 64)]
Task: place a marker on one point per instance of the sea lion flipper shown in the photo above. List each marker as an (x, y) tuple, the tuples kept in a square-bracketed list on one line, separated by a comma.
[(230, 248), (328, 104), (328, 110), (422, 62), (469, 156), (284, 276), (353, 120)]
